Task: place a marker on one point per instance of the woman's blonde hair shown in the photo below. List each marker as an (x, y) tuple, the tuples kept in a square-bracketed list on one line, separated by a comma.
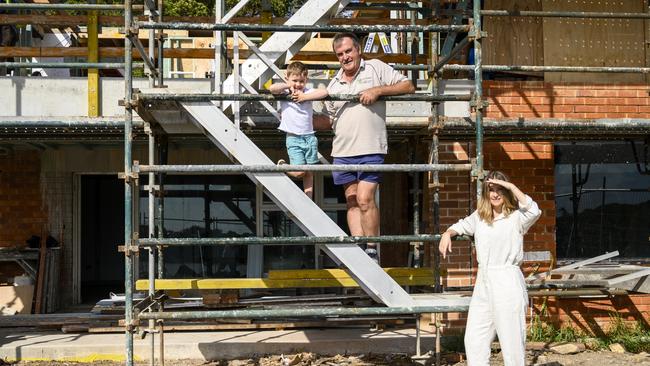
[(485, 208)]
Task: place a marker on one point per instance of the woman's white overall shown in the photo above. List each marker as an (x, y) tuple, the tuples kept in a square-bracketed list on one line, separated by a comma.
[(499, 301)]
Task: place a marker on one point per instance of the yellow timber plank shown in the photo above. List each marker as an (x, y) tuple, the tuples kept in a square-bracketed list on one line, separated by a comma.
[(340, 273), (93, 74), (264, 283)]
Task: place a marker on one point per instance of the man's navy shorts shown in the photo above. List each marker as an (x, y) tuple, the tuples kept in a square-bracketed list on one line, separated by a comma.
[(342, 178)]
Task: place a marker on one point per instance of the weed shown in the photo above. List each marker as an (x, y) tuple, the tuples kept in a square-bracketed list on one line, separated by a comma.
[(635, 338)]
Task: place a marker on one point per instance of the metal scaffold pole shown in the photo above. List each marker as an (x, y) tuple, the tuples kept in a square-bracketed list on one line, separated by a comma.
[(128, 187), (152, 227), (476, 33), (160, 208), (150, 11)]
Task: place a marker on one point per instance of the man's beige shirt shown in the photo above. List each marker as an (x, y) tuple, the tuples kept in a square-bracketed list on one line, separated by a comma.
[(360, 129)]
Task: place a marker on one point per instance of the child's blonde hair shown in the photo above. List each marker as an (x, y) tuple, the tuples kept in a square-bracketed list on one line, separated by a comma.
[(297, 68)]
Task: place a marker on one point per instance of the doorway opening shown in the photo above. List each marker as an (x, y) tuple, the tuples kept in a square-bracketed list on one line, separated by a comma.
[(102, 231)]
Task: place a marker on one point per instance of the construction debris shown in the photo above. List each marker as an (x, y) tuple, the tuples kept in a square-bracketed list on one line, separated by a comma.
[(617, 348), (568, 348)]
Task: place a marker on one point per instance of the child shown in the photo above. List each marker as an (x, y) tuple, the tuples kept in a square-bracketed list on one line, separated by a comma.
[(302, 145)]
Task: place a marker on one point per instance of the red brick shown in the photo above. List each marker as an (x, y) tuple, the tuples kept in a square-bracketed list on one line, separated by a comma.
[(627, 93), (627, 109), (562, 108), (574, 101), (606, 93), (586, 93), (596, 115), (596, 101), (604, 109), (565, 92), (590, 109)]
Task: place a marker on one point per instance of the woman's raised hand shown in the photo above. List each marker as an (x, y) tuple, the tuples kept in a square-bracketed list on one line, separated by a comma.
[(502, 183)]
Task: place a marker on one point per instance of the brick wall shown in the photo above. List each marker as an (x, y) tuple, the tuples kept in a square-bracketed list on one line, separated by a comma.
[(21, 208), (538, 99), (593, 315), (590, 315), (529, 165)]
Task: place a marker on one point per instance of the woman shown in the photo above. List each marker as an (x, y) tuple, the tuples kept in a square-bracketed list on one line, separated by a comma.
[(499, 301)]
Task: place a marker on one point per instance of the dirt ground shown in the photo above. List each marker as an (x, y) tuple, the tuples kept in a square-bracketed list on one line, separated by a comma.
[(586, 358)]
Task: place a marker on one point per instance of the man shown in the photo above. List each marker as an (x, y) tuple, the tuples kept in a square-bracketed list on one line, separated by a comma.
[(360, 129)]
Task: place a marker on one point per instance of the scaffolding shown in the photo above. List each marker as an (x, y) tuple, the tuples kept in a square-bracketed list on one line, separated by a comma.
[(152, 309)]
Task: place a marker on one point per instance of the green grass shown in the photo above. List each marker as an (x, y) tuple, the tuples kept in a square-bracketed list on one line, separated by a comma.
[(542, 332), (635, 338)]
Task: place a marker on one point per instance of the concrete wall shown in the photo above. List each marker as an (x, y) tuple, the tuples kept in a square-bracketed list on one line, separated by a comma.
[(68, 97)]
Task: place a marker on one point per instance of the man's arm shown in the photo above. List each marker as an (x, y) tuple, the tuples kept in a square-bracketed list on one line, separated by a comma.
[(278, 88), (322, 122), (371, 95)]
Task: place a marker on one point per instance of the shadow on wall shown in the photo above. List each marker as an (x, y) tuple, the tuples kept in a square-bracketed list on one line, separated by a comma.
[(594, 316)]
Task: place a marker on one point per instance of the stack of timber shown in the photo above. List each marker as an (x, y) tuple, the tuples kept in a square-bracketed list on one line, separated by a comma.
[(592, 276), (230, 299), (47, 282)]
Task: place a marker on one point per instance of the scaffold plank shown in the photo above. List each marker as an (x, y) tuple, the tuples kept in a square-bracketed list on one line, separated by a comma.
[(268, 283)]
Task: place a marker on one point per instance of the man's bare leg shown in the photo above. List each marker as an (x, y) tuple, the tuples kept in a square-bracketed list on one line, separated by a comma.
[(353, 214), (368, 208), (363, 214)]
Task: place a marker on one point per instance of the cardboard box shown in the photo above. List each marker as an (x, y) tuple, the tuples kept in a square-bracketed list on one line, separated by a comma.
[(16, 299)]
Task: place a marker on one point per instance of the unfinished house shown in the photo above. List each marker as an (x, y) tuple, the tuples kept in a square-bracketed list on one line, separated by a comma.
[(140, 165)]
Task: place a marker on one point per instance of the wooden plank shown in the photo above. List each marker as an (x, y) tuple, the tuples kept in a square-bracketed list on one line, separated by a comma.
[(55, 319), (340, 273), (93, 56), (265, 283), (110, 20), (40, 282), (513, 40), (601, 271), (249, 326), (225, 297), (199, 53), (585, 262), (627, 277), (572, 266), (52, 280), (595, 42)]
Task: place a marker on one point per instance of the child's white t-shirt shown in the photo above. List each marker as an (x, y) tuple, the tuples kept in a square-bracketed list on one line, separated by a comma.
[(297, 117)]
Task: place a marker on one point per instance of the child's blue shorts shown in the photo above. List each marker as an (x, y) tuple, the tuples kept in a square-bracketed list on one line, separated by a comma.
[(302, 149)]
